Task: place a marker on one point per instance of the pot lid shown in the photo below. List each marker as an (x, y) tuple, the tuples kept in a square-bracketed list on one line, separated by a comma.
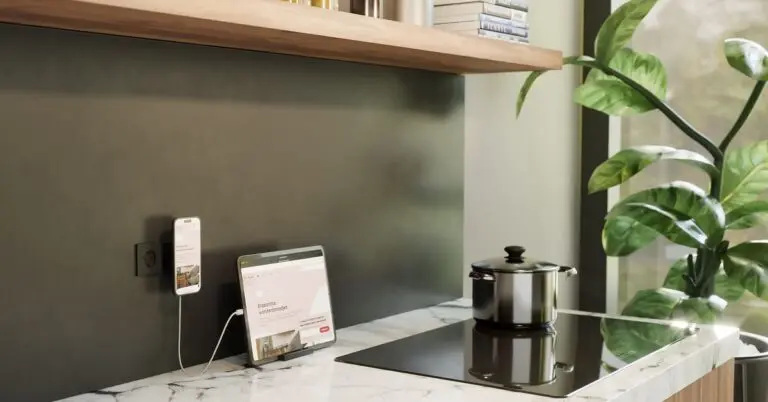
[(515, 262)]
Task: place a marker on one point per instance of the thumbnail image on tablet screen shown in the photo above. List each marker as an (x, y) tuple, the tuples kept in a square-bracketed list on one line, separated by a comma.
[(286, 300)]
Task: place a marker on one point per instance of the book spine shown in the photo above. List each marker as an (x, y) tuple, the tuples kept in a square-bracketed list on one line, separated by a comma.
[(516, 4), (504, 12), (503, 28), (501, 36), (505, 21)]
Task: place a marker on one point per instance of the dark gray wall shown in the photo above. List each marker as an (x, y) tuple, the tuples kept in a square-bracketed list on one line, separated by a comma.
[(104, 139)]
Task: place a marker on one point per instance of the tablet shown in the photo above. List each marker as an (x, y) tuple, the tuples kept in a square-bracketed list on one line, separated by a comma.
[(286, 301)]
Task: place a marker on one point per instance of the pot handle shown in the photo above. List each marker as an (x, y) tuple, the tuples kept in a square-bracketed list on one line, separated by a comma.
[(565, 368), (569, 271), (478, 276)]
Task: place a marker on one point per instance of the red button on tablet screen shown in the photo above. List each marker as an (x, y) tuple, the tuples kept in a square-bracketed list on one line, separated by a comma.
[(324, 329)]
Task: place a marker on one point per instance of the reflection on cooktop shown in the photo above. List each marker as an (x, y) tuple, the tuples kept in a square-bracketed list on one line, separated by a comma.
[(552, 362)]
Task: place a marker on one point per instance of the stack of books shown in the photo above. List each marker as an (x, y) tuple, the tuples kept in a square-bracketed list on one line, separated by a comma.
[(497, 19)]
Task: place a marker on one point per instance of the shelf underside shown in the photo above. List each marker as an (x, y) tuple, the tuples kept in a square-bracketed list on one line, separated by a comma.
[(276, 27)]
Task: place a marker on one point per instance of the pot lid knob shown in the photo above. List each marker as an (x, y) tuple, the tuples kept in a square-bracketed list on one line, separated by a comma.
[(514, 253)]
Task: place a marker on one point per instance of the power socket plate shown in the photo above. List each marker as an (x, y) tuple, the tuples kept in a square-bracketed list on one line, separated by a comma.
[(149, 259)]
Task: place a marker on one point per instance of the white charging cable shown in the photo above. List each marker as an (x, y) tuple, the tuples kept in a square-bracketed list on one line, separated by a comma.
[(178, 344)]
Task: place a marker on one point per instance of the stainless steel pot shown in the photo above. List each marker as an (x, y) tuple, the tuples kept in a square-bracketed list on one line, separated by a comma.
[(516, 291), (751, 371), (521, 357)]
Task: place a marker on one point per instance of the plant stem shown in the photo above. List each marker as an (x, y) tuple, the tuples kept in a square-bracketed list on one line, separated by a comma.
[(748, 107), (672, 115), (756, 92), (705, 269), (717, 180)]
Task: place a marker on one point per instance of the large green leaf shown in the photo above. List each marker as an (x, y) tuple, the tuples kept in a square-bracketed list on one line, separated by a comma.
[(745, 175), (667, 303), (700, 310), (630, 340), (747, 263), (618, 29), (527, 85), (643, 68), (677, 228), (623, 236), (532, 77), (725, 287), (654, 303), (748, 57), (685, 201), (629, 162), (611, 96), (747, 215), (677, 276)]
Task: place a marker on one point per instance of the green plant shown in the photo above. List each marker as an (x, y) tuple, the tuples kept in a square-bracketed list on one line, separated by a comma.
[(624, 82)]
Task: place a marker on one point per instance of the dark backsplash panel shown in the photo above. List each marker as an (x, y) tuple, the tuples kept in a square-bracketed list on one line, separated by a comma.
[(104, 139)]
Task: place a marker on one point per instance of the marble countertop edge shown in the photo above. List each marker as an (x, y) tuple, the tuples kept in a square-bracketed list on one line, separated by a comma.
[(318, 378), (660, 375)]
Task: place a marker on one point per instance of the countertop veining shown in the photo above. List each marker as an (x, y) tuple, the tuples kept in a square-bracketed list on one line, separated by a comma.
[(318, 378)]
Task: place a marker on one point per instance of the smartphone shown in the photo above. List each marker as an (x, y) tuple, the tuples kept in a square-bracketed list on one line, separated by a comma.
[(187, 256)]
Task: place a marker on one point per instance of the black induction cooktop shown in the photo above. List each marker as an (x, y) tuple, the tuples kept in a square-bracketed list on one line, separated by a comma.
[(555, 361)]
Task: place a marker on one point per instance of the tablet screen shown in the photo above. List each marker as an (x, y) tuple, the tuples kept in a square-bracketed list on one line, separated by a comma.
[(286, 300)]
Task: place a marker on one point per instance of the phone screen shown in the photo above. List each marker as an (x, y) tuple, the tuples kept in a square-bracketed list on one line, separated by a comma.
[(287, 302), (186, 255)]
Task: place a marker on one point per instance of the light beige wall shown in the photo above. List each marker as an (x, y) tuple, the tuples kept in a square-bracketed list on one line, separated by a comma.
[(521, 183)]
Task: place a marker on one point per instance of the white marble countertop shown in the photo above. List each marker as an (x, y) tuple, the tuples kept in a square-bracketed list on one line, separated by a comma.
[(317, 378)]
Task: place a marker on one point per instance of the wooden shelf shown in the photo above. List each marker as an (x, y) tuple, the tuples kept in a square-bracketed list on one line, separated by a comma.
[(276, 27)]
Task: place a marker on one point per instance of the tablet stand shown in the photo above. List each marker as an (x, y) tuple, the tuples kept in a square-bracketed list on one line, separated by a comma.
[(295, 354)]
